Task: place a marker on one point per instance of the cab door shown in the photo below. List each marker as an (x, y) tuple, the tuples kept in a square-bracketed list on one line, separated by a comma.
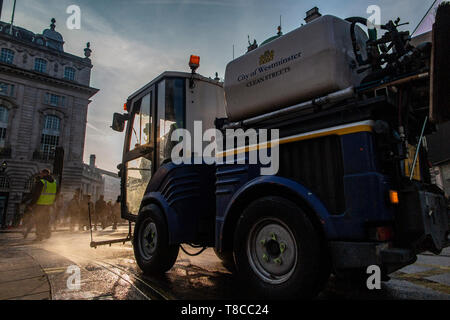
[(138, 165), (153, 118)]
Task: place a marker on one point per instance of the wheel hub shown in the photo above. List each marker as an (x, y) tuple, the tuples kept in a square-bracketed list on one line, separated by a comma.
[(149, 239), (272, 250)]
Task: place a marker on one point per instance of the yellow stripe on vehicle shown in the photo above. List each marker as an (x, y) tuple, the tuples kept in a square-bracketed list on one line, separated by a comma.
[(364, 126)]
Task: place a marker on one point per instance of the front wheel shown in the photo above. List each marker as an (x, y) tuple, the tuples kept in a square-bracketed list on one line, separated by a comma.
[(153, 253), (278, 250)]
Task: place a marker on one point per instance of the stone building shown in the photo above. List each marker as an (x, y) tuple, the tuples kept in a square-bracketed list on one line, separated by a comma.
[(92, 180), (44, 98), (111, 189), (97, 182)]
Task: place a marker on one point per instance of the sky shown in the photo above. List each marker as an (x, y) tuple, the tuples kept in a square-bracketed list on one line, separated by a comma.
[(134, 41)]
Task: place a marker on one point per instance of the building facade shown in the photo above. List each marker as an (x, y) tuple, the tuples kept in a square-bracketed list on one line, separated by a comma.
[(44, 98), (111, 189), (97, 182), (92, 180)]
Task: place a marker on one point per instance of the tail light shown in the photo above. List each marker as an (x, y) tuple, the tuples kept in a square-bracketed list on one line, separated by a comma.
[(381, 233), (384, 234)]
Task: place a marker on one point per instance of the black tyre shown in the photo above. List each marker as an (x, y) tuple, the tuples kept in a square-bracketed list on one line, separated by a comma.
[(151, 246), (227, 260), (277, 250)]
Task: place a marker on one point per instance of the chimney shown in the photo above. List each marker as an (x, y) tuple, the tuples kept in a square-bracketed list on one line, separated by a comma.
[(312, 15), (92, 161)]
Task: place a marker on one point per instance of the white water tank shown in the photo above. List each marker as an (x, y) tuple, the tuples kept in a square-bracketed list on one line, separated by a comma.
[(311, 61)]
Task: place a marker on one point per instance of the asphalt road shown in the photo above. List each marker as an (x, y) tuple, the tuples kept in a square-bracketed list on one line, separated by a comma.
[(111, 273)]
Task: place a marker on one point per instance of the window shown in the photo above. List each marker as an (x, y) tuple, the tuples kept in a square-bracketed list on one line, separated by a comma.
[(69, 73), (4, 117), (6, 89), (2, 137), (7, 56), (171, 114), (52, 123), (50, 137), (55, 100), (48, 145), (4, 182), (30, 183), (139, 171), (142, 125), (40, 65)]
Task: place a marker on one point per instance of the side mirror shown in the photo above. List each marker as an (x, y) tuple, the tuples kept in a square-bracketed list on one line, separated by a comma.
[(119, 122)]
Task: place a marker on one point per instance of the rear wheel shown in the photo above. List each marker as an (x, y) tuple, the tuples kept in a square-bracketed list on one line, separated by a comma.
[(153, 253), (278, 250)]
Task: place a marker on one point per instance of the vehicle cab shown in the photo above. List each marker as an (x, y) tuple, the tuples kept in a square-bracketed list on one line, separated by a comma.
[(173, 100)]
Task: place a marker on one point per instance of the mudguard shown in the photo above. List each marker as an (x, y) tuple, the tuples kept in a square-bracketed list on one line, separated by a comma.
[(185, 194), (289, 187)]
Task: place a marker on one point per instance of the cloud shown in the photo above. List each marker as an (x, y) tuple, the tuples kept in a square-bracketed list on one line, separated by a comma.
[(121, 66), (91, 126), (135, 41), (208, 3)]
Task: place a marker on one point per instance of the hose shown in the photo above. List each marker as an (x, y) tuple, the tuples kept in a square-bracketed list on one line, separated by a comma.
[(193, 254)]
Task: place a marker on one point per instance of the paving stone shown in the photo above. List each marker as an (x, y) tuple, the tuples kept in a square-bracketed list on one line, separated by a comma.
[(434, 260), (21, 289), (412, 269), (441, 278), (39, 296)]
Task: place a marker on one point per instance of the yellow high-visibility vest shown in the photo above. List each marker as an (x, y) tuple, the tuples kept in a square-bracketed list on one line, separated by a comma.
[(48, 194)]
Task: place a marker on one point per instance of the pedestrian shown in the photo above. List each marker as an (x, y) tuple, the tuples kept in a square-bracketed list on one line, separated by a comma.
[(110, 218), (101, 213), (27, 221), (73, 210), (43, 198), (87, 208), (28, 218), (58, 212), (91, 206), (116, 215)]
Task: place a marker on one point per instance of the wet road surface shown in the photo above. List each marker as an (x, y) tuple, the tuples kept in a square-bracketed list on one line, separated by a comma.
[(111, 273)]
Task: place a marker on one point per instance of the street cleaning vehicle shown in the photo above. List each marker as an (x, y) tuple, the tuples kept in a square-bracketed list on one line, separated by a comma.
[(353, 186)]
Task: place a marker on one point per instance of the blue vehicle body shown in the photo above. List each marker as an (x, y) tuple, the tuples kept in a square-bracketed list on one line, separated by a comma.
[(333, 165), (362, 183), (185, 194), (202, 203)]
